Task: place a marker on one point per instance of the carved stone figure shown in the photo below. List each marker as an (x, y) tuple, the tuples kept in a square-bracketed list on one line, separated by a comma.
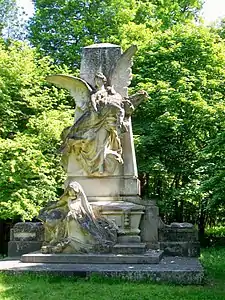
[(101, 117), (72, 226)]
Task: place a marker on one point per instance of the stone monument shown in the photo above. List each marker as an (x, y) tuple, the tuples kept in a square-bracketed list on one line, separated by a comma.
[(100, 220), (99, 209)]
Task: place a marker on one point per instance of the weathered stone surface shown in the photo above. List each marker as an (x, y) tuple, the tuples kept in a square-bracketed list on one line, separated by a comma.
[(126, 215), (110, 186), (172, 270), (18, 248), (131, 248), (169, 234), (149, 225), (186, 249), (98, 57), (25, 237), (150, 257), (181, 225), (181, 239), (127, 239), (27, 231)]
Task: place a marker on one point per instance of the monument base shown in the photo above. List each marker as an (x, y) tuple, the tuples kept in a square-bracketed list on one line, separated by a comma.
[(175, 270)]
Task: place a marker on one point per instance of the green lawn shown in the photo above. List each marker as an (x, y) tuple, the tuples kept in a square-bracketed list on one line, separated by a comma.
[(30, 287)]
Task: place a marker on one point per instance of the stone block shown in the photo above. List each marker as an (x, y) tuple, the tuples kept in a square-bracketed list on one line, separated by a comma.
[(138, 248), (110, 186), (126, 215), (127, 239), (27, 231), (178, 234), (18, 248), (149, 225), (25, 237), (98, 57), (185, 249)]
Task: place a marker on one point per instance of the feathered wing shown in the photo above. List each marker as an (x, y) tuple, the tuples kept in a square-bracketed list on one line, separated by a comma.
[(78, 88), (120, 77)]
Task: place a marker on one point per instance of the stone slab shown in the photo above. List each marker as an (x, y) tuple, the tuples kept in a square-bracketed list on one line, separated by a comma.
[(177, 270), (150, 257)]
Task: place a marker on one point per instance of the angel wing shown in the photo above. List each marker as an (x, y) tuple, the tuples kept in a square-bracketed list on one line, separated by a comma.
[(79, 89), (120, 77)]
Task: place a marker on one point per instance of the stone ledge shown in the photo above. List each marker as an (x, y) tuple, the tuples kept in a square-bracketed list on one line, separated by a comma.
[(171, 269), (150, 257)]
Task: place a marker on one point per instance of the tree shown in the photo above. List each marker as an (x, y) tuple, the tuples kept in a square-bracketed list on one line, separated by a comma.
[(12, 23), (183, 70), (32, 116), (61, 28)]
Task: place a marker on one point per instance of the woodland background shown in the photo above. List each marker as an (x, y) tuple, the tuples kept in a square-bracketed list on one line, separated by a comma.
[(179, 131)]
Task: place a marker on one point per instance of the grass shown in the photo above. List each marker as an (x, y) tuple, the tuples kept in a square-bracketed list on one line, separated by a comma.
[(36, 287)]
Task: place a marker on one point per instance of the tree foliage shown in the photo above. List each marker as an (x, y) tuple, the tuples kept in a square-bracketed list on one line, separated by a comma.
[(60, 28), (179, 130), (12, 23), (32, 116), (183, 70)]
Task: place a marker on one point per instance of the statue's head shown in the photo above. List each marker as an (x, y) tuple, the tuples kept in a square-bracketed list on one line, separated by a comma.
[(100, 79), (73, 189)]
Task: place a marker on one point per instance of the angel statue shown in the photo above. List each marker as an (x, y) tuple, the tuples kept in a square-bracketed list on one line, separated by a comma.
[(101, 117)]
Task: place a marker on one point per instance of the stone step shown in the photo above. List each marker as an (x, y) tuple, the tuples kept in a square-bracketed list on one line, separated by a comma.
[(150, 257), (129, 248)]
